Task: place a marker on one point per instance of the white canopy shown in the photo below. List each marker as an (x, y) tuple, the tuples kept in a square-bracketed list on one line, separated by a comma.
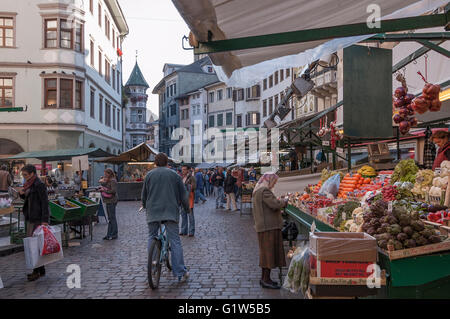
[(228, 19)]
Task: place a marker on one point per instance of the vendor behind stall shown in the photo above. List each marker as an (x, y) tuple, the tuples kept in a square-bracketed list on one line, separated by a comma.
[(441, 139)]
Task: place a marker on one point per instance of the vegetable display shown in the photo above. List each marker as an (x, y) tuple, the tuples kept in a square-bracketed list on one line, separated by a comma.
[(405, 171), (398, 229), (367, 171), (424, 180)]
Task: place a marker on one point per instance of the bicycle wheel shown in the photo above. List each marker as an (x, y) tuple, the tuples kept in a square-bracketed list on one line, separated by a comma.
[(154, 264)]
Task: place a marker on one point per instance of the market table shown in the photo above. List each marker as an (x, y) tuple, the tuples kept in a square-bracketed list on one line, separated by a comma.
[(425, 276)]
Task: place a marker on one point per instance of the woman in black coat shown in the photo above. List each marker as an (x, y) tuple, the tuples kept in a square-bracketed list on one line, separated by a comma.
[(35, 207)]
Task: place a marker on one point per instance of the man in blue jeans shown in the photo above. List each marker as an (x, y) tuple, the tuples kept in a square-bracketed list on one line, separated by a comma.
[(162, 194), (218, 179), (199, 186)]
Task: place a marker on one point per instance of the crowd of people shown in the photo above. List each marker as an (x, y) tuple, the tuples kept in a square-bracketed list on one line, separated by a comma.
[(167, 194)]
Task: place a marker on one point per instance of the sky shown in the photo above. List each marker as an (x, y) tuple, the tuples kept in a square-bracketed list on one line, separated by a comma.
[(156, 30)]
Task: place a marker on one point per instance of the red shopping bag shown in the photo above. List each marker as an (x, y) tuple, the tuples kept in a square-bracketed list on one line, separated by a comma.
[(48, 244)]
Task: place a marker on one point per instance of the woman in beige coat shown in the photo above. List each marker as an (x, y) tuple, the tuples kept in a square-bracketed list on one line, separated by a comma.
[(268, 224)]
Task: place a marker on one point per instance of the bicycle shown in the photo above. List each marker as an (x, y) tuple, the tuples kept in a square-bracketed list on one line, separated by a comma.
[(158, 254)]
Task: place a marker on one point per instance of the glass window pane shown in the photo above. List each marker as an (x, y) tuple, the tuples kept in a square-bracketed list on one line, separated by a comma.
[(9, 42), (9, 22), (51, 98), (8, 93), (7, 82), (1, 32), (2, 21), (66, 24), (51, 43), (51, 83), (51, 24), (51, 34), (65, 35), (1, 82), (8, 33)]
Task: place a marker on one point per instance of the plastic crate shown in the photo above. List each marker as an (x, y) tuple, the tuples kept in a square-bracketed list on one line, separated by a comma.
[(60, 213), (86, 210)]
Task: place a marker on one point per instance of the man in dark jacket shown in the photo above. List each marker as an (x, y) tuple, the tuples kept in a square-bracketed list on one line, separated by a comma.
[(218, 179), (35, 207), (199, 186), (162, 195)]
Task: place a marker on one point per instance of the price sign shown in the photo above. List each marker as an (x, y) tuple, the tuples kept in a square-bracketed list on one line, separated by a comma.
[(340, 150), (326, 143)]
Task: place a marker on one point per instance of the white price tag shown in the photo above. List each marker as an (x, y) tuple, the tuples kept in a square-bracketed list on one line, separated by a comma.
[(326, 143), (390, 207), (340, 150), (344, 216)]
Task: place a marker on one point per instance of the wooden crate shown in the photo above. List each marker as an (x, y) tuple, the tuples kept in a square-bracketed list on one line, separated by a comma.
[(246, 198), (419, 251)]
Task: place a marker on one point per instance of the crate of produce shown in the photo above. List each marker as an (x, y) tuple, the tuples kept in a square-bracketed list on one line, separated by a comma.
[(69, 211), (88, 206)]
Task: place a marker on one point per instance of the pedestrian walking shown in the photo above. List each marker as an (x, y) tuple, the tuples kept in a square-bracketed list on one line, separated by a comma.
[(5, 179), (187, 216), (199, 186), (268, 224), (35, 208), (252, 175), (218, 179), (109, 196), (162, 194), (230, 183)]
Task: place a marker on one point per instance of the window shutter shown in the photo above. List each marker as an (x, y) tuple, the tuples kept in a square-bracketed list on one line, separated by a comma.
[(234, 95), (258, 118), (247, 119)]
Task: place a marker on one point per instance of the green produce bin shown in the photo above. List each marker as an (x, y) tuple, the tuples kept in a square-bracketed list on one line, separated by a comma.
[(421, 277), (62, 214), (86, 210)]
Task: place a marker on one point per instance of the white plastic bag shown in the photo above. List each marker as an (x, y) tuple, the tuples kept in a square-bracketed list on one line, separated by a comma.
[(292, 282), (48, 243), (331, 186), (33, 259)]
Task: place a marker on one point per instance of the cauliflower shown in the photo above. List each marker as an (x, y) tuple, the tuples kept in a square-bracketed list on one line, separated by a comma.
[(354, 228), (440, 182), (356, 211), (359, 218), (435, 191)]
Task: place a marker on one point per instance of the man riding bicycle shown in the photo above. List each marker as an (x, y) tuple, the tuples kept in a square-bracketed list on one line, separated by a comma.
[(162, 194)]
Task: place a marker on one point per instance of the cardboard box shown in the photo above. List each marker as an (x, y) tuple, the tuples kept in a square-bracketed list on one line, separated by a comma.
[(340, 269), (340, 246)]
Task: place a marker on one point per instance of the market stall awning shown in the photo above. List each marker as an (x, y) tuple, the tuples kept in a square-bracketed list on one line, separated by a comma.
[(216, 20), (60, 155), (140, 153)]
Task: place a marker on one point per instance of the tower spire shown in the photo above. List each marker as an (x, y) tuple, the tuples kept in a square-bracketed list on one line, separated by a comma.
[(136, 55)]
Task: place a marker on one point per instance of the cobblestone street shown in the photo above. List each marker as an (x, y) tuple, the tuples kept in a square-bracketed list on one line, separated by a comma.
[(222, 260)]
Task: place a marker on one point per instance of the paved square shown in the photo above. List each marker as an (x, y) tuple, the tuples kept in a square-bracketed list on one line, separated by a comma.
[(222, 260)]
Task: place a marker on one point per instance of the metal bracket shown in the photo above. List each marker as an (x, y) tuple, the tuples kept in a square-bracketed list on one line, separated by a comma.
[(183, 39)]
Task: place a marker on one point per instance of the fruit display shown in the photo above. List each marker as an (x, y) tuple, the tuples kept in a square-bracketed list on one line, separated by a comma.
[(399, 229), (441, 217), (389, 193), (86, 201), (326, 174), (405, 171), (350, 183), (367, 171)]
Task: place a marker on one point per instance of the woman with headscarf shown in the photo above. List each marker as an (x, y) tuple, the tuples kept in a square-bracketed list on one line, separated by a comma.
[(109, 197), (268, 224), (441, 139)]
